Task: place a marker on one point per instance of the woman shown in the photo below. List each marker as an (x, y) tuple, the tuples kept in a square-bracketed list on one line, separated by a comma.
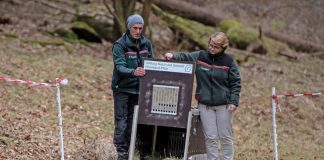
[(217, 93)]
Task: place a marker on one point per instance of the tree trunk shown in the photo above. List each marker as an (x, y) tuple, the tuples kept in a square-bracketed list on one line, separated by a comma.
[(298, 44), (146, 12), (204, 16), (190, 11), (121, 10)]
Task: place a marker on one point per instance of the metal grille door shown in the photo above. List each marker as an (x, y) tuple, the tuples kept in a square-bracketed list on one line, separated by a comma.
[(165, 99)]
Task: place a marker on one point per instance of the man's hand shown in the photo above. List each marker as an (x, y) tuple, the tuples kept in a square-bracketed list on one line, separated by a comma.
[(139, 72), (168, 56), (231, 107)]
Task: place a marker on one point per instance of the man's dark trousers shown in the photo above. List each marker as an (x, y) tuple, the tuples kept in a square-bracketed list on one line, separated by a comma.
[(124, 109)]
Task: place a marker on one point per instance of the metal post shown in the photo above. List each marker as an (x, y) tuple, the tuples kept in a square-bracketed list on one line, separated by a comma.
[(274, 125), (185, 155), (154, 139), (133, 136), (58, 98)]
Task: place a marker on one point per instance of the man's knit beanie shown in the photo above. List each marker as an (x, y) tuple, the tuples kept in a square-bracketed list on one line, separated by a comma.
[(134, 19)]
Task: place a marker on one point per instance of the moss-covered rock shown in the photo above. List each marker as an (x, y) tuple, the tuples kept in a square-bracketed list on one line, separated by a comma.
[(274, 46), (84, 26), (65, 33), (103, 29), (86, 32), (197, 33), (240, 36), (226, 24), (257, 47)]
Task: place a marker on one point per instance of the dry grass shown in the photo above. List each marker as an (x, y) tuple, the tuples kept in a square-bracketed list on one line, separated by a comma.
[(300, 123), (29, 115)]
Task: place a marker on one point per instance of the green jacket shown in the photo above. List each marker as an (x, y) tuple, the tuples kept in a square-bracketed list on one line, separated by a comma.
[(218, 78), (128, 54)]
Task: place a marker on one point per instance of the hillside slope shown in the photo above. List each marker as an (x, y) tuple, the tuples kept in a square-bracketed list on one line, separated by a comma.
[(28, 115)]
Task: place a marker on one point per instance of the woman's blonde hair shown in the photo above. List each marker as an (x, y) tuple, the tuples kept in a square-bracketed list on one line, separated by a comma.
[(219, 39)]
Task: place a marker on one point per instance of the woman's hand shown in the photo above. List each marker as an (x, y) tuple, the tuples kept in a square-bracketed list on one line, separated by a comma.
[(168, 56)]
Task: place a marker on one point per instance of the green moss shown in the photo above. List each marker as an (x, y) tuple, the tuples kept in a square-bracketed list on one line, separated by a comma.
[(241, 36), (89, 23), (104, 30), (68, 49), (10, 35), (226, 24), (276, 25), (195, 31), (84, 42), (67, 34), (85, 26), (77, 9), (198, 28), (199, 34), (274, 46), (45, 42)]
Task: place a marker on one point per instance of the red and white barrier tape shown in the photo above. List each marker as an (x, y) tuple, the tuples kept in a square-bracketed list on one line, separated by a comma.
[(276, 97), (58, 81)]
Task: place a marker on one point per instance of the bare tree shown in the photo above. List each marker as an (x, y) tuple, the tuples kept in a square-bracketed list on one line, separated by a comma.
[(121, 9), (146, 12)]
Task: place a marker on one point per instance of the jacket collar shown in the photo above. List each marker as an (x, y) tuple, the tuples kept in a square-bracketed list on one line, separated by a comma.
[(130, 41), (216, 55)]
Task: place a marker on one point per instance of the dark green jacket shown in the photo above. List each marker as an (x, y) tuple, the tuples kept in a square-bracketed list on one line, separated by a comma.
[(128, 54), (218, 78)]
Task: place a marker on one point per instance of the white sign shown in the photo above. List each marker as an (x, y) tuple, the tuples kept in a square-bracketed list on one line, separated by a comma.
[(168, 66)]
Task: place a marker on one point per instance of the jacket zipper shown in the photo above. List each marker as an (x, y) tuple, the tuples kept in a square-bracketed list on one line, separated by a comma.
[(211, 80), (137, 53)]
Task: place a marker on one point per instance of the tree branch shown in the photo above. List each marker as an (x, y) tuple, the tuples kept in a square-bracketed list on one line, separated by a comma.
[(110, 10)]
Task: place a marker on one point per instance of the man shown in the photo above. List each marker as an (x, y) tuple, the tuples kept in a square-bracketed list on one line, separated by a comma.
[(128, 53)]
